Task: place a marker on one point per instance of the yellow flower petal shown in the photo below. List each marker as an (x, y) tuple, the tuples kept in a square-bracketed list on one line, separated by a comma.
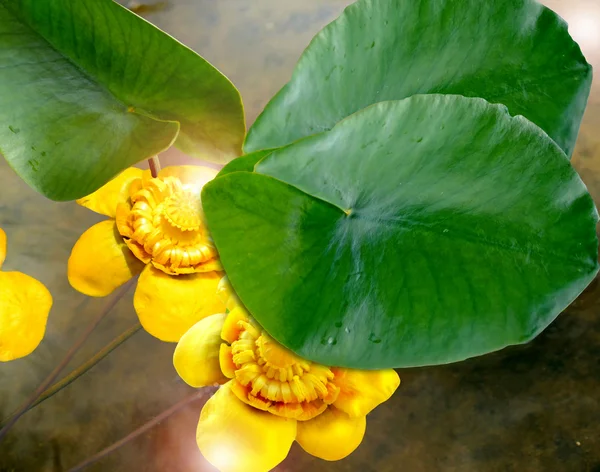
[(235, 437), (227, 294), (231, 328), (332, 435), (2, 247), (24, 307), (169, 305), (101, 262), (363, 390), (196, 357), (195, 176), (123, 219), (106, 199), (228, 367), (210, 266)]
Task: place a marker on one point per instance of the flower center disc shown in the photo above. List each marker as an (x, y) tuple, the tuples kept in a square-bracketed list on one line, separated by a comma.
[(275, 355), (184, 211), (163, 224), (272, 378)]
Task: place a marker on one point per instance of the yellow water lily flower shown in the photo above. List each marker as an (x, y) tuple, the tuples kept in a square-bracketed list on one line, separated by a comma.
[(157, 230), (24, 308), (270, 397)]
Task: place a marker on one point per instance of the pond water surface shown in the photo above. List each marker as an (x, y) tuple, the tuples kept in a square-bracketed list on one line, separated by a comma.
[(529, 408)]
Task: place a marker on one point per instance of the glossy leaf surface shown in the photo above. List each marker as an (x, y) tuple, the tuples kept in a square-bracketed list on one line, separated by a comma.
[(514, 52), (87, 89), (417, 232)]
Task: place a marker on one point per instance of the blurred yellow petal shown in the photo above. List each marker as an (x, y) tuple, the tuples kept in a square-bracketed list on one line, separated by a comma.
[(235, 437), (24, 307), (101, 262), (2, 247), (227, 294), (196, 176), (363, 390), (106, 199), (209, 266), (169, 305), (196, 357), (332, 435)]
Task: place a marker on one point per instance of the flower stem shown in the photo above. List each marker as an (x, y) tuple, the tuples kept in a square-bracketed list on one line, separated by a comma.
[(70, 354), (83, 368), (154, 165), (142, 429)]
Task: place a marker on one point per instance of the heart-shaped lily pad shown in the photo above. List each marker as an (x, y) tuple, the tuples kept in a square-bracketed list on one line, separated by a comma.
[(87, 89), (415, 232), (515, 52)]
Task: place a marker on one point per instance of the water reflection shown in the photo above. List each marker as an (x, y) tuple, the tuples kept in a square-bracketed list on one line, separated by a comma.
[(585, 28), (144, 9), (584, 22)]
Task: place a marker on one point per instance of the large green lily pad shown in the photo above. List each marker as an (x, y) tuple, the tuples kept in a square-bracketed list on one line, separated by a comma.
[(515, 52), (87, 89), (415, 232)]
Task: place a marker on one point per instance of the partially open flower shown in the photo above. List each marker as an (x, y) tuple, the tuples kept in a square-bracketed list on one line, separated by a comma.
[(24, 307), (272, 397), (156, 229)]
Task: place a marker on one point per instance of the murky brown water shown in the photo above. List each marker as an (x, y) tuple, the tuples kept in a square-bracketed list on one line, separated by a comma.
[(529, 408)]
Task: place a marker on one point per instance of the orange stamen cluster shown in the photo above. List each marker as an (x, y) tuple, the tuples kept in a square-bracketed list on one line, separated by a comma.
[(163, 224), (271, 378)]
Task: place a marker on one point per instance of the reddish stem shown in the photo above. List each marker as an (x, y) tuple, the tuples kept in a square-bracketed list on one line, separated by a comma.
[(154, 164)]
